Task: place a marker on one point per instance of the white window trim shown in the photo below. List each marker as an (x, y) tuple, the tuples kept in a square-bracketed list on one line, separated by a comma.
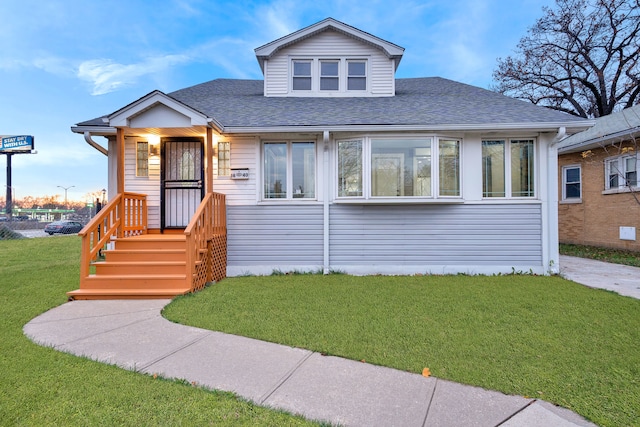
[(508, 190), (566, 199), (289, 184), (622, 182), (366, 197), (343, 76)]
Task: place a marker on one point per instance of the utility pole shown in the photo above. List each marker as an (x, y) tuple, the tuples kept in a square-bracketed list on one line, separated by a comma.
[(66, 205)]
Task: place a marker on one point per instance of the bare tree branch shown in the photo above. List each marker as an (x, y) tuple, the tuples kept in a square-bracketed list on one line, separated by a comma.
[(580, 57)]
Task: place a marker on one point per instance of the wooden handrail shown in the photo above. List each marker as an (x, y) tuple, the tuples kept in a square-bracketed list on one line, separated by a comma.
[(124, 215), (208, 221)]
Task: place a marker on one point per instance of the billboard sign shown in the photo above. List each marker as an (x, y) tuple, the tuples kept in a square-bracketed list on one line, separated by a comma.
[(16, 144)]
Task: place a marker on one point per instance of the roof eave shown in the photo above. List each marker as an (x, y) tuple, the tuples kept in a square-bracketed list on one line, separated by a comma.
[(532, 127), (599, 141)]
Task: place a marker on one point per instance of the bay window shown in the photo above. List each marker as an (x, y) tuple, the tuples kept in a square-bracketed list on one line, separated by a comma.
[(289, 170), (508, 168), (398, 167)]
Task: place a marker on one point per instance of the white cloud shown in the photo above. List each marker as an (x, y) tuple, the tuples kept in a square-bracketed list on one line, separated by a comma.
[(107, 75)]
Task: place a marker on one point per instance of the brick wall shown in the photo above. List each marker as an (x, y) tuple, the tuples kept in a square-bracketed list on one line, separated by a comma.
[(596, 221)]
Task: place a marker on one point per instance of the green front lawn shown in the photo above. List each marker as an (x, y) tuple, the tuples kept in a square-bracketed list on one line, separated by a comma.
[(43, 387), (541, 337)]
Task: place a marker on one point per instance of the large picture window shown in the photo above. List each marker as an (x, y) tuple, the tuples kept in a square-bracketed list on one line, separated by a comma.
[(399, 167), (508, 158), (289, 170)]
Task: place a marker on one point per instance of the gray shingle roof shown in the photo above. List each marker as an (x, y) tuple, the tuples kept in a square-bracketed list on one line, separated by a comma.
[(622, 124), (418, 101), (431, 101)]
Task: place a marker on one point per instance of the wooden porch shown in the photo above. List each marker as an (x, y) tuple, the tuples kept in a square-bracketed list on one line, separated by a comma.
[(121, 260)]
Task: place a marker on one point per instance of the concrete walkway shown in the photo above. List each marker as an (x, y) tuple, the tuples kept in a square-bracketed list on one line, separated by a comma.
[(622, 279), (134, 336)]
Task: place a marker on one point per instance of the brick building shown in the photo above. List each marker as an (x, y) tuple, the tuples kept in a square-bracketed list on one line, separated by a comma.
[(599, 196)]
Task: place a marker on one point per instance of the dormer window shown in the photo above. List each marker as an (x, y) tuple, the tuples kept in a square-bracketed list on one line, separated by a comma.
[(302, 75), (356, 75), (329, 75)]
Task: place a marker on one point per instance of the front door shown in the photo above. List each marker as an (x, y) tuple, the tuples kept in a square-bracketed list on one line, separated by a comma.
[(181, 180)]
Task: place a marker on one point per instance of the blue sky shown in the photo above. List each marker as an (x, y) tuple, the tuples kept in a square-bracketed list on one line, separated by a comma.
[(67, 61)]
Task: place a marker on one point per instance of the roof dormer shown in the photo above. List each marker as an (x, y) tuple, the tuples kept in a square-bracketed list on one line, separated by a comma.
[(329, 59)]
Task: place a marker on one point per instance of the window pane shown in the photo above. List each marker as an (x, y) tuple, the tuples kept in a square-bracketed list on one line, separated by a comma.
[(401, 167), (572, 174), (349, 168), (357, 83), (522, 184), (275, 170), (329, 83), (329, 68), (302, 83), (631, 174), (449, 164), (612, 173), (224, 165), (142, 158), (572, 191), (357, 68), (302, 68), (493, 184), (303, 155)]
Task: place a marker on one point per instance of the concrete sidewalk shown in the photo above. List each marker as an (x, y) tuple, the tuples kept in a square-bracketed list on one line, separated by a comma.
[(622, 279), (134, 336)]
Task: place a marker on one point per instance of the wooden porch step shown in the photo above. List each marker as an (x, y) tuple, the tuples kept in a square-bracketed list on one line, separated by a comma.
[(144, 255), (138, 267), (136, 281), (98, 294), (142, 242)]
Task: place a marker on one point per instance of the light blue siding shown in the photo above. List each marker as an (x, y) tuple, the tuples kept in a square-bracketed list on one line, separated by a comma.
[(426, 235), (275, 235)]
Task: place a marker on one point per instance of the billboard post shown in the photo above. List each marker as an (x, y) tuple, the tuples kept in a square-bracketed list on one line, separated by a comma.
[(10, 145)]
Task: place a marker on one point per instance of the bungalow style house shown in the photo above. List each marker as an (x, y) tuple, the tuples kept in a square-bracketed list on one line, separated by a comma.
[(328, 164), (599, 192)]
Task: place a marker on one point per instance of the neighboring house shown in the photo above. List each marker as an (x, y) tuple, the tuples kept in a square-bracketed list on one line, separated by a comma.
[(599, 192), (331, 163)]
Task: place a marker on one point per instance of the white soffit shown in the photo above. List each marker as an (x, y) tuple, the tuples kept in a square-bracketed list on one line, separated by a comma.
[(152, 109)]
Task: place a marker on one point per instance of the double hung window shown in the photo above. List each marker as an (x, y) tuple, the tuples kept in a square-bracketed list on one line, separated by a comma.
[(302, 75), (398, 167), (621, 172), (329, 75), (289, 170), (335, 75), (571, 183), (508, 168)]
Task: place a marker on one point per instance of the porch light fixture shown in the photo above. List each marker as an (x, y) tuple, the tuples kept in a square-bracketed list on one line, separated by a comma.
[(154, 145)]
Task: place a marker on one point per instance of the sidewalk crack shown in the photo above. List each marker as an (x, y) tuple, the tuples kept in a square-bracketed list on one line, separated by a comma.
[(285, 378)]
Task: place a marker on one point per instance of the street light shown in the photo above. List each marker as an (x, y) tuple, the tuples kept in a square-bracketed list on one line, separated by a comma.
[(66, 206)]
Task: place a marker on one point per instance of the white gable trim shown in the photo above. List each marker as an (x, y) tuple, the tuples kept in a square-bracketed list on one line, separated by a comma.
[(266, 51), (125, 116)]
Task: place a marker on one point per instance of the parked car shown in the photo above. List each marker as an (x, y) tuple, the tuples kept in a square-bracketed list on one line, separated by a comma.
[(63, 227)]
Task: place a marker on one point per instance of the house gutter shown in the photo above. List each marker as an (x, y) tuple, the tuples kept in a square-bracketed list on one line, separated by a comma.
[(91, 142), (597, 141)]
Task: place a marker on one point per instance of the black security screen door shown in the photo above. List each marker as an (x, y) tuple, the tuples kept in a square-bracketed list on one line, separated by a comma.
[(181, 180)]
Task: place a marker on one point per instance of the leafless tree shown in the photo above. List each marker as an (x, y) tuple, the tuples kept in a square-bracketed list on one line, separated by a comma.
[(582, 57)]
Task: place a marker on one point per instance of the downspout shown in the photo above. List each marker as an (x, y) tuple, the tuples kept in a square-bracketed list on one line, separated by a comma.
[(551, 256), (91, 142), (325, 195)]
